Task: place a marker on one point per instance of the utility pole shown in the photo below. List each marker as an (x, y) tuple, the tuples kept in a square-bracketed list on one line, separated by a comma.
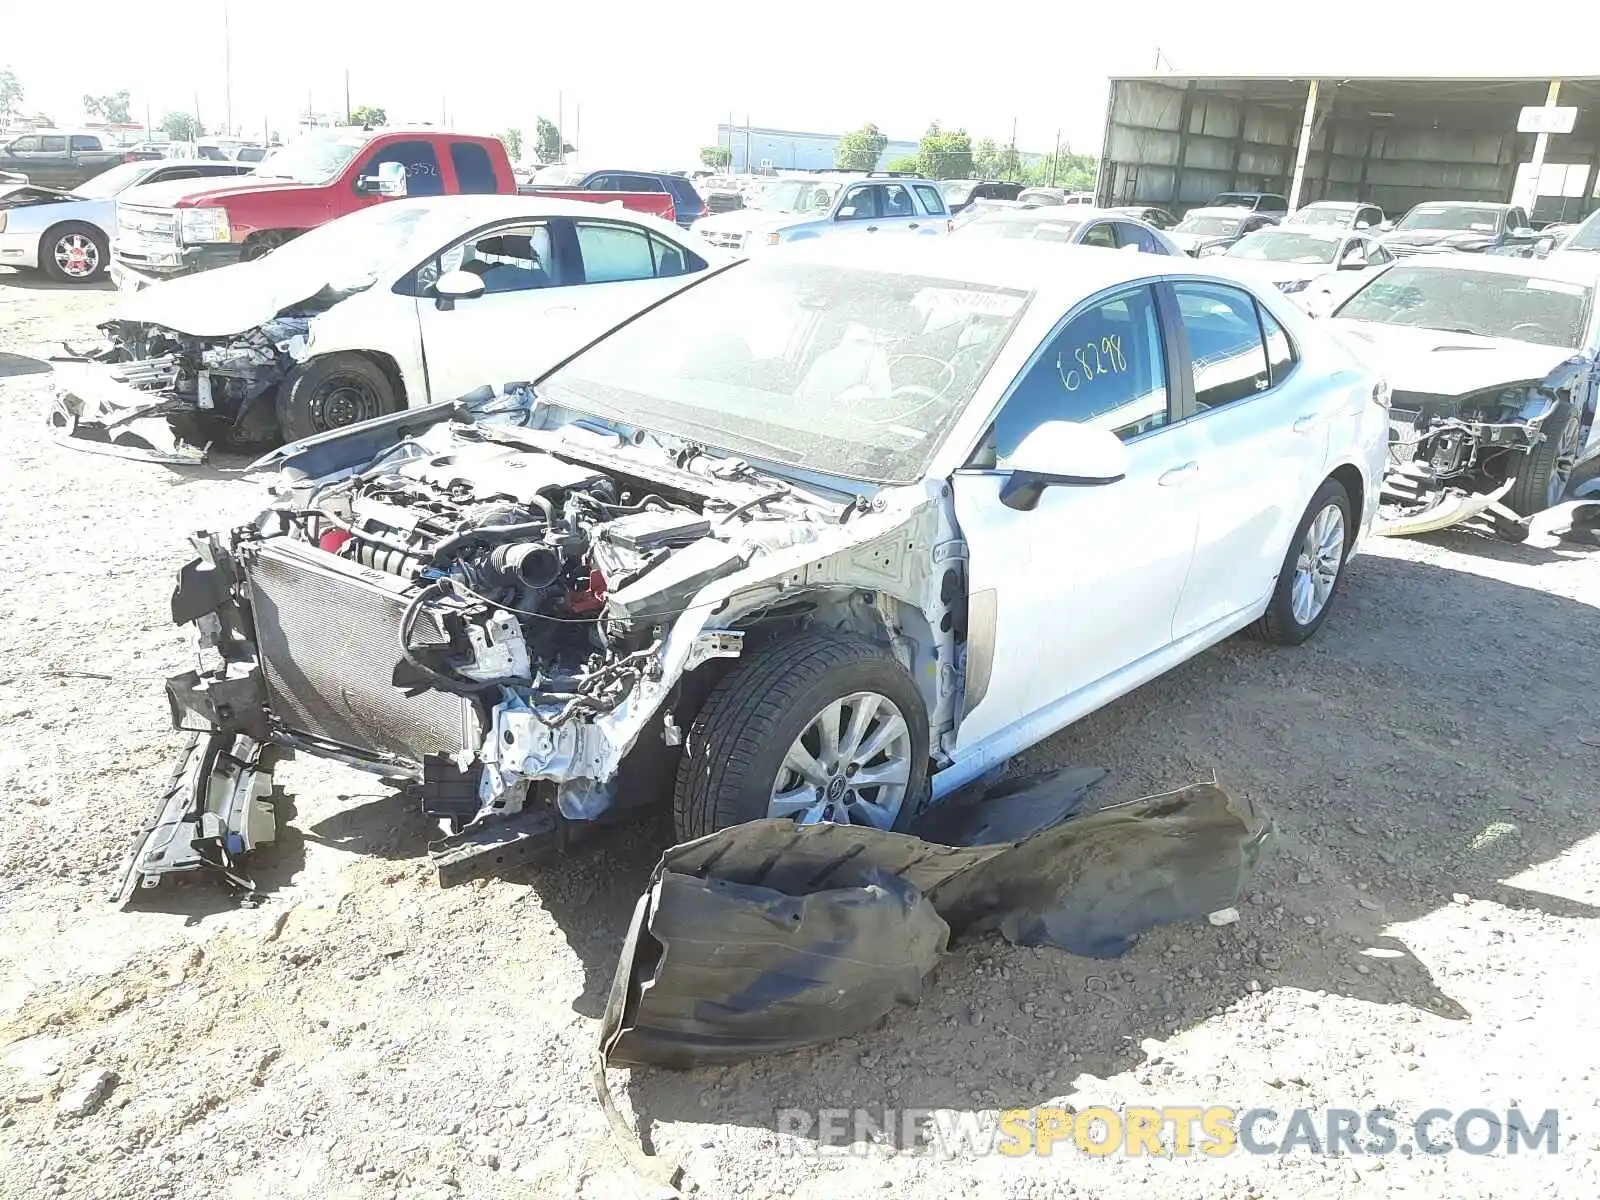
[(227, 71), (561, 138), (1055, 159), (1011, 158), (577, 131), (347, 118), (196, 116), (747, 140), (730, 143)]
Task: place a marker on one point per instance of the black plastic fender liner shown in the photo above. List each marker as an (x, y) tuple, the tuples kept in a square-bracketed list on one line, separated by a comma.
[(770, 936)]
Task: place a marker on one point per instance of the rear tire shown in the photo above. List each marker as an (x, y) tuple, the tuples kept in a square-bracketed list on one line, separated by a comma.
[(734, 755), (1547, 467), (75, 253), (1290, 619), (332, 392)]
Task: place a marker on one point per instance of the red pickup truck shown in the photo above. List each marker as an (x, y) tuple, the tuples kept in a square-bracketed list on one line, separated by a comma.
[(169, 229)]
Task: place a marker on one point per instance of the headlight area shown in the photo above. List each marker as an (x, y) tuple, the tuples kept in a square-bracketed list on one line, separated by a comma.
[(197, 226)]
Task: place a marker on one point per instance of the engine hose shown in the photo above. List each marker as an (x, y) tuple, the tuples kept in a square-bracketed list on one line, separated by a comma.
[(456, 542), (445, 683)]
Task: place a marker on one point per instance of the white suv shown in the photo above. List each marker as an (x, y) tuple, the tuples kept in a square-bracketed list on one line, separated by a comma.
[(829, 205)]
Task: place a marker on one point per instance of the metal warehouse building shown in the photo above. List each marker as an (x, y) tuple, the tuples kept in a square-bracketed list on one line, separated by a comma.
[(755, 148), (1177, 140)]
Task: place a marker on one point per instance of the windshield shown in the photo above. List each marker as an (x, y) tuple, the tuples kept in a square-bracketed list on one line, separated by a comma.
[(796, 196), (1451, 216), (314, 159), (1337, 217), (1008, 224), (1233, 200), (836, 370), (1551, 312), (1586, 236), (109, 183), (349, 254), (1270, 245), (1212, 226)]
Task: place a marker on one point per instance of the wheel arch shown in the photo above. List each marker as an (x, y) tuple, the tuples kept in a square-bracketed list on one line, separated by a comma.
[(1349, 476)]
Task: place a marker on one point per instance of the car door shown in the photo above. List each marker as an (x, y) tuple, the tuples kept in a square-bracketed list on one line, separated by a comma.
[(1259, 430), (935, 216), (897, 209), (423, 175), (858, 210), (1086, 583)]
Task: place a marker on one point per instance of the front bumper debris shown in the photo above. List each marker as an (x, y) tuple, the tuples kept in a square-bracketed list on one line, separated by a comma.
[(99, 408), (771, 936), (217, 807), (1431, 511)]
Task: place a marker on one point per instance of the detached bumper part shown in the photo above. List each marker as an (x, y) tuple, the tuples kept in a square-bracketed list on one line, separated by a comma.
[(97, 410), (217, 807), (1446, 507)]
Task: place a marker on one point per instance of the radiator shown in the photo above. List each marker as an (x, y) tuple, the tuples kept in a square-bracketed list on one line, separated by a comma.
[(328, 635)]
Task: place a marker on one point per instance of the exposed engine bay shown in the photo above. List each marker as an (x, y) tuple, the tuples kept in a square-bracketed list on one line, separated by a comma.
[(1452, 458), (501, 619), (158, 395)]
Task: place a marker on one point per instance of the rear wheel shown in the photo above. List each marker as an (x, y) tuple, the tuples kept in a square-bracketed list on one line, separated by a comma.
[(1543, 474), (1311, 570), (822, 726), (74, 253), (332, 392)]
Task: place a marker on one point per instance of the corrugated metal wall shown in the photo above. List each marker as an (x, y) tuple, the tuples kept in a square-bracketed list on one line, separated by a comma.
[(1240, 144)]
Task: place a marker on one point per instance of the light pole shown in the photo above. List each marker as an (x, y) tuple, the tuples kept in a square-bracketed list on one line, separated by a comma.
[(227, 72)]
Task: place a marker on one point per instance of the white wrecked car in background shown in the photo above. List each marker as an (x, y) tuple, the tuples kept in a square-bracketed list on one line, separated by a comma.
[(1493, 363), (403, 304), (822, 537)]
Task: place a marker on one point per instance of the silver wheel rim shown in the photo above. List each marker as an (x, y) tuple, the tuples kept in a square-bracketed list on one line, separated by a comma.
[(1317, 569), (1566, 460), (851, 764), (77, 255)]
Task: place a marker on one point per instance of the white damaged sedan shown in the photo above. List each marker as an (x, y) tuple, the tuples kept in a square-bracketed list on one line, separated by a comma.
[(823, 536)]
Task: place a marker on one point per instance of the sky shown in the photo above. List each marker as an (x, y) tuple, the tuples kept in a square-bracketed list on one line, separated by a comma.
[(639, 85)]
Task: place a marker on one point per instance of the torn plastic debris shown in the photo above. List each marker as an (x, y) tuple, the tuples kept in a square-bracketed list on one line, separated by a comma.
[(771, 936), (96, 410), (1448, 507)]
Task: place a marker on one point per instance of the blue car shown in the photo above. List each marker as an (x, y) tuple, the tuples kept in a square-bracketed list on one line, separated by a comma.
[(688, 204)]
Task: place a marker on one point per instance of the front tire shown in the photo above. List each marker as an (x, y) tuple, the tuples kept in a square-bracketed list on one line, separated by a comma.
[(74, 253), (1547, 467), (332, 392), (821, 725), (1312, 569)]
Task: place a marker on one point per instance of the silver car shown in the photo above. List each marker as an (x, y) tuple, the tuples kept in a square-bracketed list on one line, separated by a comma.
[(1076, 225), (67, 235), (828, 204)]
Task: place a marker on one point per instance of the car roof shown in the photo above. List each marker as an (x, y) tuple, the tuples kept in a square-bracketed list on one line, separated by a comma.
[(1326, 232), (1021, 215), (1056, 272), (1347, 205), (481, 209), (1461, 204), (1220, 210)]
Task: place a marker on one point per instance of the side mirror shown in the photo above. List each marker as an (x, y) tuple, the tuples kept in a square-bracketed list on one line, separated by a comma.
[(1062, 454), (390, 181), (456, 285), (1522, 231)]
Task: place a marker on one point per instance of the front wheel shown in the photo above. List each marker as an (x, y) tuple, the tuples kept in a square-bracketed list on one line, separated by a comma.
[(74, 253), (331, 392), (1311, 570), (1543, 474), (822, 726)]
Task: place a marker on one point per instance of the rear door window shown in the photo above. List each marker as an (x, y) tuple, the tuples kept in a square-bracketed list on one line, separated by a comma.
[(82, 141), (1227, 359), (51, 144), (474, 171), (894, 200), (931, 200), (420, 162), (615, 253), (1129, 234), (1100, 234)]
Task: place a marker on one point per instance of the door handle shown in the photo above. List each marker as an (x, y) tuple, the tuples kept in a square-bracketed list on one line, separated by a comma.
[(1178, 475), (1307, 423), (872, 229), (914, 225)]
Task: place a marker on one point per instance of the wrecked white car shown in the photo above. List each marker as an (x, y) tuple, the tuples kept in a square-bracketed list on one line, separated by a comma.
[(403, 304), (1492, 362), (822, 537)]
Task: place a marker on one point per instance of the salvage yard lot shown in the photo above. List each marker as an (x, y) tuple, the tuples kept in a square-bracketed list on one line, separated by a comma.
[(1419, 935)]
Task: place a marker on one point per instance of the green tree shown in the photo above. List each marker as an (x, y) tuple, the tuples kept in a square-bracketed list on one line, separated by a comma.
[(860, 149), (181, 126), (992, 161), (369, 114), (1075, 172), (945, 155), (548, 146), (906, 164), (718, 158), (10, 97), (513, 144), (113, 107)]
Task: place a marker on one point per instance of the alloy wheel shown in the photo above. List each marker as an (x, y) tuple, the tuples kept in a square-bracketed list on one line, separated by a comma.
[(851, 764), (1317, 568)]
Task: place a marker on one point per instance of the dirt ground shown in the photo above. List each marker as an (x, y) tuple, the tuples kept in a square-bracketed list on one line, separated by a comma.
[(1421, 933)]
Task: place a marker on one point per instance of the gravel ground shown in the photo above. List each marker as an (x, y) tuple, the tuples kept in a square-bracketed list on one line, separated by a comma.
[(1414, 938)]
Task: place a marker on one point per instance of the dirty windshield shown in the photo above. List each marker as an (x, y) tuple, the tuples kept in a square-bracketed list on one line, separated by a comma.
[(840, 371), (1551, 312), (1211, 226), (796, 196), (1284, 247), (315, 159), (1451, 216), (1587, 237)]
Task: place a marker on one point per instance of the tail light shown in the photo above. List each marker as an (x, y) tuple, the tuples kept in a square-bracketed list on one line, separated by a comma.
[(950, 226), (130, 157)]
